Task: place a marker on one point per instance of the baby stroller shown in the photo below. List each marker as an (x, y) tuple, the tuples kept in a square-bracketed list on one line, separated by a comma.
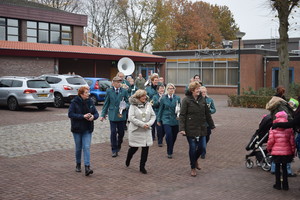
[(257, 145)]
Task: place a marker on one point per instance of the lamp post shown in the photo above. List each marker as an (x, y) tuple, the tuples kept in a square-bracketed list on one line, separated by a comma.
[(239, 36)]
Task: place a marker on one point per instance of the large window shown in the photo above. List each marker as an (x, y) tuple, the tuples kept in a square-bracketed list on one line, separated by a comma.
[(9, 29), (213, 73), (43, 32)]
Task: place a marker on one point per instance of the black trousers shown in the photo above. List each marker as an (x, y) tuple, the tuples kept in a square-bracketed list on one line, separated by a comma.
[(144, 155), (278, 174)]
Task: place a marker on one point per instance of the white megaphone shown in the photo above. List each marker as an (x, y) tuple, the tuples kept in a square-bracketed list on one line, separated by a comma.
[(126, 66)]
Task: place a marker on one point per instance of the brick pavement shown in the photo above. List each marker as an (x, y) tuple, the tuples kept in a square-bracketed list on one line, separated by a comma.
[(37, 164)]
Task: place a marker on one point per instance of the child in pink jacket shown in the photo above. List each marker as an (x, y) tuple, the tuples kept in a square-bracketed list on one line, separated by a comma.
[(281, 145)]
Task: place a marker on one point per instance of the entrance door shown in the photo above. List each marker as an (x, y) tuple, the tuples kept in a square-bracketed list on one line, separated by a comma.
[(275, 76)]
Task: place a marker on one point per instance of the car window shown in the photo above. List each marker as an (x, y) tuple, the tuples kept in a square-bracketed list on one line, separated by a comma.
[(6, 83), (76, 81), (37, 84), (53, 80), (17, 83), (89, 82), (104, 85)]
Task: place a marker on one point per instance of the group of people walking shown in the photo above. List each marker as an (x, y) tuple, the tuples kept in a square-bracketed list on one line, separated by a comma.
[(151, 112)]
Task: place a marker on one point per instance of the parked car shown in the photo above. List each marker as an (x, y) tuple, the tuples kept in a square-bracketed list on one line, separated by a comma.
[(98, 87), (65, 87), (16, 92)]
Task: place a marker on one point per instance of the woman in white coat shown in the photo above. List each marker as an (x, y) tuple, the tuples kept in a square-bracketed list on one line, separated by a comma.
[(141, 117)]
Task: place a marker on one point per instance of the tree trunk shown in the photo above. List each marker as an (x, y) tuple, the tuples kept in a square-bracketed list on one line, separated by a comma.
[(283, 54)]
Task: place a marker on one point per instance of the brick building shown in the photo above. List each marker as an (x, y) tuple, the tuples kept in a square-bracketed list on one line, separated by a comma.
[(36, 39), (218, 68)]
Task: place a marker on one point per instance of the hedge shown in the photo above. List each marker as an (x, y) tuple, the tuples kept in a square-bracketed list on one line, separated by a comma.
[(248, 101)]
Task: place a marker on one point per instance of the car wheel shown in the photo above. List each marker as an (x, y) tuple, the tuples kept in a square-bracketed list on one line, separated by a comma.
[(58, 100), (94, 99), (42, 107), (12, 103)]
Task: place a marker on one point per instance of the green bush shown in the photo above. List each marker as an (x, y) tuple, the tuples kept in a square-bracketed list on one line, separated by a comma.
[(258, 99), (248, 101), (294, 90)]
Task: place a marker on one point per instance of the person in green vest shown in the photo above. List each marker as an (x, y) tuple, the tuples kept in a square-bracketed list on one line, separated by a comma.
[(151, 91), (167, 117), (156, 102), (116, 106)]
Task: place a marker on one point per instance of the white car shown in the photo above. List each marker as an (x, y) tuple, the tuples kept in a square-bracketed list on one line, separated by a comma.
[(16, 91), (65, 87)]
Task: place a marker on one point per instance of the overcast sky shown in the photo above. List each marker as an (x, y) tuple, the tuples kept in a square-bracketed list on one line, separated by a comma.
[(256, 19)]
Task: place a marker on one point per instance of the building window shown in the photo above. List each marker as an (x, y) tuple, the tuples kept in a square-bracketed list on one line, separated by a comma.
[(43, 32), (9, 29), (31, 31), (212, 73), (66, 35)]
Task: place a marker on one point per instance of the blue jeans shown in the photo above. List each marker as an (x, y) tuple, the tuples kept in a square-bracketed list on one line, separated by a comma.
[(160, 133), (82, 143), (206, 141), (195, 149), (171, 136), (116, 135), (288, 166)]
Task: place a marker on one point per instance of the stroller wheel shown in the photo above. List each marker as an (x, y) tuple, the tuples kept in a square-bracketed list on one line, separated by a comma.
[(249, 163), (266, 164), (258, 163)]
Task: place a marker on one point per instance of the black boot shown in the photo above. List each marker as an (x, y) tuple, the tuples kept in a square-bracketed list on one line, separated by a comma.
[(143, 161), (285, 186), (128, 159), (88, 171), (143, 170), (277, 184), (78, 167), (131, 152)]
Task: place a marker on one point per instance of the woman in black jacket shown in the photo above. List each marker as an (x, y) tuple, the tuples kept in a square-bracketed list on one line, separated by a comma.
[(82, 113), (193, 120)]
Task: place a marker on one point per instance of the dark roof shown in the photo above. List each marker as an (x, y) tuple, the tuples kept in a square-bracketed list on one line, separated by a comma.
[(10, 48), (29, 4)]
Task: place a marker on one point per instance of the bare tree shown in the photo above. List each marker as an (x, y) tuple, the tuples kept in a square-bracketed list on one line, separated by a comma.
[(284, 9), (137, 18), (102, 21), (66, 5)]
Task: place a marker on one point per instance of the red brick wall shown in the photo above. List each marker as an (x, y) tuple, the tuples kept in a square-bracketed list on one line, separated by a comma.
[(251, 71), (273, 64), (25, 66), (77, 35)]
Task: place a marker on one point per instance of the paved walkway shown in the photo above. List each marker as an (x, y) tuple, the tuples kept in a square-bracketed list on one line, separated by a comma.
[(37, 162)]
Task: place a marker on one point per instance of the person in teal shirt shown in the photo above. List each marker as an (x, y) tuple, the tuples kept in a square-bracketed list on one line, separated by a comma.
[(116, 106), (151, 91), (167, 117), (156, 102)]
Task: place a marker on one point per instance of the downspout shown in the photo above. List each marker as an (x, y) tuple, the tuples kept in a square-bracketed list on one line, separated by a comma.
[(265, 71)]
